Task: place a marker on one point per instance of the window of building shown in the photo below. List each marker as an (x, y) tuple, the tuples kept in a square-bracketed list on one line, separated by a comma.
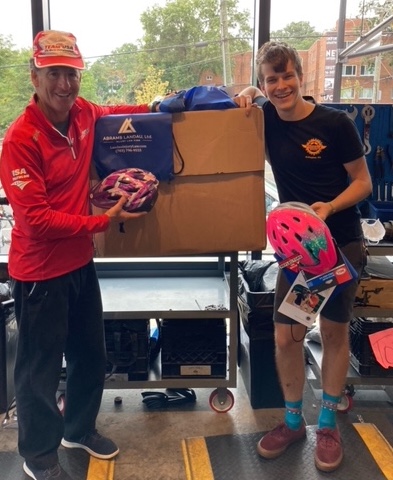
[(367, 70), (365, 93), (209, 78), (347, 93), (349, 70)]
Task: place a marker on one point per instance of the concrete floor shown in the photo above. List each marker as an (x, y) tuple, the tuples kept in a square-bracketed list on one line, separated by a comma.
[(150, 440)]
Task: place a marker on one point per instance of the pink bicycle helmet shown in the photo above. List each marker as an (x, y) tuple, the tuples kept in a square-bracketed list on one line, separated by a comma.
[(139, 186), (293, 228)]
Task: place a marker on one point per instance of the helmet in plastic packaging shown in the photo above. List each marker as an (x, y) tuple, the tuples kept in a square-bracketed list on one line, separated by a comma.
[(139, 186), (293, 228)]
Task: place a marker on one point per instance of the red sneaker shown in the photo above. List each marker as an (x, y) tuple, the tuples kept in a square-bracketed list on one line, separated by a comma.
[(329, 451), (277, 440)]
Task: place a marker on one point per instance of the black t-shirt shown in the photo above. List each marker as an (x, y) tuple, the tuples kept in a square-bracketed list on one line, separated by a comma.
[(307, 159)]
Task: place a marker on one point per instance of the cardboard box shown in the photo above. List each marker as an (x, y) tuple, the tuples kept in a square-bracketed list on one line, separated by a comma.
[(216, 204), (377, 289)]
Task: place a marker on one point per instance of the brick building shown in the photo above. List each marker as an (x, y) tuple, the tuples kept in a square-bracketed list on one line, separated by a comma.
[(366, 79)]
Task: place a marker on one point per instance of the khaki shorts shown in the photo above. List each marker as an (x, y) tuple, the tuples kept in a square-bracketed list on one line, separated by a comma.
[(339, 308)]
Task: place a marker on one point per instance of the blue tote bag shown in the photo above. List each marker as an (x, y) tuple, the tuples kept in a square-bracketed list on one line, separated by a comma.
[(134, 141)]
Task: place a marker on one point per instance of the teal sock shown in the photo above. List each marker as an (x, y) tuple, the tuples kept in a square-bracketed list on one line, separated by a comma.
[(293, 415), (327, 415)]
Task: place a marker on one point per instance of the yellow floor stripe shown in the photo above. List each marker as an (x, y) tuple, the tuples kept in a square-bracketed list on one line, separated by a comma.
[(100, 469), (379, 447), (196, 459)]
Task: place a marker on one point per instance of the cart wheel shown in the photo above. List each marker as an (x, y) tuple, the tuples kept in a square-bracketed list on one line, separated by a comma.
[(221, 402), (61, 403), (345, 404), (349, 390)]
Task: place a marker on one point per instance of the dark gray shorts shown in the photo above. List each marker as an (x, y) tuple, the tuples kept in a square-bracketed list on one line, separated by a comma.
[(340, 307)]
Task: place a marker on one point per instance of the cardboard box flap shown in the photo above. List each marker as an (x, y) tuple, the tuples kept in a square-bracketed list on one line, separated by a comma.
[(222, 140)]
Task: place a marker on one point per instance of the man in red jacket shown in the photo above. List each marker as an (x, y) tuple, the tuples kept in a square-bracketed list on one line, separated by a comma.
[(44, 170)]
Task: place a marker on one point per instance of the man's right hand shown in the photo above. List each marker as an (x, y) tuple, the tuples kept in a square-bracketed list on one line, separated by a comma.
[(246, 97), (244, 101), (117, 214)]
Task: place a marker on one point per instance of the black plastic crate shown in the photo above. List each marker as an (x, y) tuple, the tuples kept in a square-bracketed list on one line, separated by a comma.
[(128, 347), (194, 348), (256, 355), (362, 357)]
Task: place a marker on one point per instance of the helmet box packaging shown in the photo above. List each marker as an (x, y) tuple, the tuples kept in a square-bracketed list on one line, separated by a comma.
[(215, 202)]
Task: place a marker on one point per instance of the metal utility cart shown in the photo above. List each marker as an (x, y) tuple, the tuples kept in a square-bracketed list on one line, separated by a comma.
[(190, 289)]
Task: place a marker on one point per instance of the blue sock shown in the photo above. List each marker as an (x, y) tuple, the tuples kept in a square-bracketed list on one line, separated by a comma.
[(327, 415), (293, 415)]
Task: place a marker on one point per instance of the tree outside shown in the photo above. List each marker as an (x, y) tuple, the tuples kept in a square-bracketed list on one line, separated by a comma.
[(300, 35), (182, 40)]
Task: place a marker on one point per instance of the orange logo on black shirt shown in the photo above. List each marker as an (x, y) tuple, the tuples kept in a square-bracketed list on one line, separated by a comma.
[(314, 147)]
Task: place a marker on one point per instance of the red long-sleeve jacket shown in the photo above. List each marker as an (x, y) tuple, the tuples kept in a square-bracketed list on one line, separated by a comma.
[(45, 176)]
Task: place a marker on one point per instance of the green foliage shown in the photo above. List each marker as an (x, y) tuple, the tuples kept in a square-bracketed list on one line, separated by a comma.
[(15, 85), (184, 38), (373, 12), (152, 86), (117, 75), (181, 40), (88, 88), (300, 35)]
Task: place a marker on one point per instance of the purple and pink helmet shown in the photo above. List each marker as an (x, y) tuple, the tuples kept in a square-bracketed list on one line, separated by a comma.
[(139, 186), (293, 228)]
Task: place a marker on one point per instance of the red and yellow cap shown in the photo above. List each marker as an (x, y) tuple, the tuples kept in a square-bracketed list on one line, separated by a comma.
[(53, 48)]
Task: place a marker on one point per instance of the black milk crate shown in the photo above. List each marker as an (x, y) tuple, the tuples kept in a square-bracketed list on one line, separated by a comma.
[(194, 348), (362, 357), (128, 347)]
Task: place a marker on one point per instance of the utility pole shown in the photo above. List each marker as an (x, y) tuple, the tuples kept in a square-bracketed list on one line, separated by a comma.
[(377, 77), (226, 57), (338, 71)]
